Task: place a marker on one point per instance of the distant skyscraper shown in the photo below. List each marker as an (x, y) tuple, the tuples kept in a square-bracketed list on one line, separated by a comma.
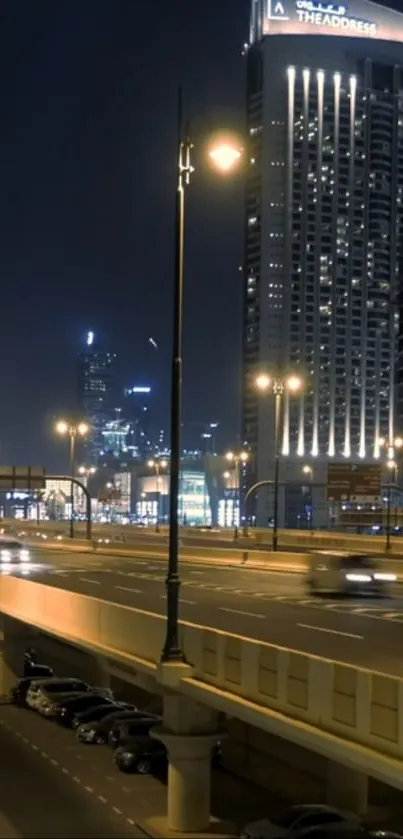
[(96, 393), (324, 228), (143, 438)]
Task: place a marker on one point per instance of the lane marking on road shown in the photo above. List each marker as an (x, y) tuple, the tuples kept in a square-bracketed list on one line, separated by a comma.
[(54, 762), (101, 798), (238, 612), (130, 821), (44, 755), (187, 602), (330, 631), (116, 810), (125, 789), (65, 771), (34, 747), (88, 789), (132, 590), (91, 582), (109, 778), (76, 780), (197, 572)]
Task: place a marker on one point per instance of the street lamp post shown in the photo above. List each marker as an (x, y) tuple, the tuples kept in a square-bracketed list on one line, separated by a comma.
[(390, 443), (277, 385), (223, 157), (237, 458), (157, 465), (307, 470), (72, 431)]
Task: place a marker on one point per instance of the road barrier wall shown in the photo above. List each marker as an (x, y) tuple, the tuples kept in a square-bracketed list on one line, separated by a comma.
[(349, 714)]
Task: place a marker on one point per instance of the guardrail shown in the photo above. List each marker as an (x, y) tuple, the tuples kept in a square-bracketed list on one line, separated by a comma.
[(351, 715), (305, 539)]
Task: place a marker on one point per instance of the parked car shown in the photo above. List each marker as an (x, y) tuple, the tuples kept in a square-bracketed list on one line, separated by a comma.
[(143, 754), (124, 730), (45, 694), (97, 713), (12, 550), (340, 572), (72, 706), (298, 821), (97, 732), (18, 694)]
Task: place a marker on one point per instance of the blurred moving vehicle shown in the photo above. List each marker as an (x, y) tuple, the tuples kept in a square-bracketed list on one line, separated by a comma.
[(340, 572), (143, 754), (300, 821), (44, 695), (12, 550), (98, 732)]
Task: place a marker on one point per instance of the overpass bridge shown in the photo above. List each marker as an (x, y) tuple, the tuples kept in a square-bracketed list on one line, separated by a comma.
[(351, 716)]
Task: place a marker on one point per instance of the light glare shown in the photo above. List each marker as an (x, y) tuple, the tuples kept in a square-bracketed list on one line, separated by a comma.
[(225, 157)]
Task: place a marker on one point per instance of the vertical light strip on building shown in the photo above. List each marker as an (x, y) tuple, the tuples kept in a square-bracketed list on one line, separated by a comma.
[(332, 377), (316, 354), (347, 430), (288, 243), (305, 81), (377, 395), (393, 292)]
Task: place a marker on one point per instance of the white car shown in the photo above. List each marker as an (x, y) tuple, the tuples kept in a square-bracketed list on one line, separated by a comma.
[(44, 692), (300, 821), (13, 550)]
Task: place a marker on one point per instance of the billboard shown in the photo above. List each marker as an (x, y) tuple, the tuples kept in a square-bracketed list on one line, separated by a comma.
[(358, 19), (358, 483)]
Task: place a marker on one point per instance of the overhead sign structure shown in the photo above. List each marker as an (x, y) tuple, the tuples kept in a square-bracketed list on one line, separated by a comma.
[(359, 19), (357, 483), (22, 477)]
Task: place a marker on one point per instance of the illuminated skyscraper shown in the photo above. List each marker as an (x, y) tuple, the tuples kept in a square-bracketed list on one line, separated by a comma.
[(96, 391), (324, 227)]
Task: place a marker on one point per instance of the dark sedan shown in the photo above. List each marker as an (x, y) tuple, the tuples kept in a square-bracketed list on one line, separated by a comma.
[(143, 754), (124, 730), (69, 709), (18, 693), (97, 713), (98, 732)]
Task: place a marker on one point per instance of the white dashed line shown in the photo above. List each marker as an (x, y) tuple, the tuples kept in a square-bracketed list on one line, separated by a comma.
[(330, 631), (101, 798), (76, 780), (65, 771), (88, 789), (54, 762), (79, 757), (35, 748), (187, 602), (109, 778), (246, 614), (91, 582), (44, 755), (130, 821), (116, 810), (131, 590), (25, 739), (392, 615)]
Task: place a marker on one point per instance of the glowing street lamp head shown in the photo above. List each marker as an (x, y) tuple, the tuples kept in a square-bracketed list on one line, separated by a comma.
[(151, 464), (263, 382), (83, 428), (163, 464), (243, 457), (390, 464), (307, 470), (294, 384), (225, 156), (230, 456), (398, 442), (62, 427)]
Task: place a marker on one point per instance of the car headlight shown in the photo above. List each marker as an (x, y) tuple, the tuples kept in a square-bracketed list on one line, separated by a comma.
[(127, 755), (24, 555), (386, 578), (358, 578), (5, 556)]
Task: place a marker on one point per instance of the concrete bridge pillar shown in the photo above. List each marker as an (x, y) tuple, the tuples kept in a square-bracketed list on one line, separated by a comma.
[(347, 788), (15, 638)]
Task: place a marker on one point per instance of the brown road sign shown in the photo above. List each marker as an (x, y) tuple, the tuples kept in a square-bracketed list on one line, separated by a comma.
[(357, 482), (22, 477)]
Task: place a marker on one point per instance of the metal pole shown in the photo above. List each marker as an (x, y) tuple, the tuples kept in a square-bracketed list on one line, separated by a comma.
[(311, 519), (89, 520), (72, 471), (278, 398), (157, 475), (388, 497), (172, 649)]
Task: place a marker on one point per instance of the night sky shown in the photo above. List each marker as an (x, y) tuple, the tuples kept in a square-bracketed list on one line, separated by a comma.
[(87, 150)]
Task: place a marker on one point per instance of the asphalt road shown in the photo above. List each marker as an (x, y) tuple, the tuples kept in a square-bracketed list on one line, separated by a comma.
[(53, 786), (267, 606)]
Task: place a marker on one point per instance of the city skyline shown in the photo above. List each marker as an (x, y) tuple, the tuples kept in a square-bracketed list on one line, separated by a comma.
[(87, 226)]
